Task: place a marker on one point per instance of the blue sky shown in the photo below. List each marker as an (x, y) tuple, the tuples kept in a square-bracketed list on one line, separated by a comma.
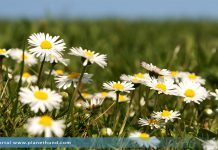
[(156, 9)]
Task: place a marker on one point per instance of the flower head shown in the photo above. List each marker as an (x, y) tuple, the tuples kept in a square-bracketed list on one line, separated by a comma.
[(155, 70), (136, 78), (93, 103), (144, 140), (89, 56), (119, 86), (40, 99), (153, 123), (45, 46), (4, 52), (45, 124), (166, 115), (192, 91), (65, 81), (26, 78), (17, 54)]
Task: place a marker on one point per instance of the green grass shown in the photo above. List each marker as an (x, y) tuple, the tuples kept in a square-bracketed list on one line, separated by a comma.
[(126, 45)]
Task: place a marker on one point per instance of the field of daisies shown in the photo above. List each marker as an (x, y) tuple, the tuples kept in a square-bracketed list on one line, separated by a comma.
[(146, 81)]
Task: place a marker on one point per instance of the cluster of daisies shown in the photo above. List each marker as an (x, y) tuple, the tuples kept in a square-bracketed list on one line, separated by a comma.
[(42, 101)]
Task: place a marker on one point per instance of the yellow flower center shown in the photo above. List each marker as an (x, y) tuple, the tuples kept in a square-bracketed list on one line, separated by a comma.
[(89, 54), (73, 75), (144, 136), (26, 75), (86, 95), (122, 98), (59, 72), (2, 51), (189, 93), (46, 121), (139, 75), (25, 56), (166, 113), (161, 86), (174, 73), (104, 94), (192, 76), (40, 95), (118, 86), (46, 45), (153, 121)]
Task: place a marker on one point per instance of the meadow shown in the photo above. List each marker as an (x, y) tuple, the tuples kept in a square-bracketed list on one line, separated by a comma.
[(186, 46)]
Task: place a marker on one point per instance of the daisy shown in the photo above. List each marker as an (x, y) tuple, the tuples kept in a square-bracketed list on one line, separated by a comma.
[(106, 131), (56, 72), (122, 98), (154, 69), (45, 125), (136, 78), (86, 95), (165, 85), (4, 52), (26, 78), (65, 81), (89, 56), (44, 45), (93, 103), (153, 123), (17, 54), (192, 77), (166, 115), (192, 92), (104, 94), (40, 99), (210, 145), (215, 94), (119, 86), (144, 139)]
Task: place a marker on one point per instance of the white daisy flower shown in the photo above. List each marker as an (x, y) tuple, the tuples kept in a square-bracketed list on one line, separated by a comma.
[(144, 140), (119, 86), (192, 77), (191, 91), (162, 85), (136, 78), (215, 94), (26, 78), (86, 95), (40, 99), (210, 145), (17, 54), (154, 69), (166, 115), (121, 98), (153, 123), (104, 94), (4, 52), (93, 103), (106, 131), (44, 45), (65, 81), (89, 56), (45, 125)]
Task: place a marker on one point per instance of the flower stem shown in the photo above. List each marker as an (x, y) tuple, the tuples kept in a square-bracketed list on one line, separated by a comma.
[(1, 72), (49, 74), (116, 111), (127, 114), (40, 72), (74, 93)]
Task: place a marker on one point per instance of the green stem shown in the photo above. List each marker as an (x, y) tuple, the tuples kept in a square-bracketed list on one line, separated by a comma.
[(1, 72), (71, 106), (50, 71), (14, 109), (127, 114), (116, 112), (40, 72)]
